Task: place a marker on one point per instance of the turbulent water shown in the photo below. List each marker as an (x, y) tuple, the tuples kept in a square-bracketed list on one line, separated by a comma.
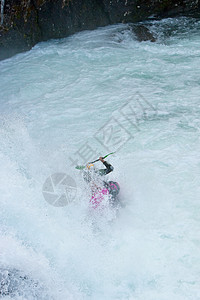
[(89, 94)]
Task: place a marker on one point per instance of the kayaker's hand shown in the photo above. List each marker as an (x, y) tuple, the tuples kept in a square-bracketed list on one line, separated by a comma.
[(101, 159)]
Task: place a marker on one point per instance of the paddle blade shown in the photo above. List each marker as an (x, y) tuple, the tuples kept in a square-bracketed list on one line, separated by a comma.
[(80, 167)]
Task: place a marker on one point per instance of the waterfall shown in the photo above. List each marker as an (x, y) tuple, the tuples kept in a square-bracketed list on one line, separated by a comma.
[(2, 10)]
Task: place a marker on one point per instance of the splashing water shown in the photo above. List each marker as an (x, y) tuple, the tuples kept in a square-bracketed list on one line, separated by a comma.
[(57, 97)]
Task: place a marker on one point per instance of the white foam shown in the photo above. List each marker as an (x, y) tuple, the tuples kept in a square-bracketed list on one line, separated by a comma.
[(55, 98)]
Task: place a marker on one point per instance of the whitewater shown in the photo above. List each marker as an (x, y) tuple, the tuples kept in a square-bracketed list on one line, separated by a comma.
[(68, 101)]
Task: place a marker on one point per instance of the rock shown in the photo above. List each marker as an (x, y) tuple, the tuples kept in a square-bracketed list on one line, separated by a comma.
[(142, 33), (28, 22), (139, 10), (20, 30)]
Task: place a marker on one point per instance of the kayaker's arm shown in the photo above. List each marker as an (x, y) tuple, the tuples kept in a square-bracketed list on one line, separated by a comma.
[(109, 167)]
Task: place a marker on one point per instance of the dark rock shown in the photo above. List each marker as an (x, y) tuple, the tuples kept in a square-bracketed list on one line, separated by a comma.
[(58, 19), (27, 22), (142, 33), (139, 10)]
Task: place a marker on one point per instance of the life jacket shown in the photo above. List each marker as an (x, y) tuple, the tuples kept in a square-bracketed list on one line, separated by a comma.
[(98, 197), (111, 188)]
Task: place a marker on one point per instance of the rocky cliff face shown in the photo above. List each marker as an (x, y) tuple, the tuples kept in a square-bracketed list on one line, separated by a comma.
[(25, 23)]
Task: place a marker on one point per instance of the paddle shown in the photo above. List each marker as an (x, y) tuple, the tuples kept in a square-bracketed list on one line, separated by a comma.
[(92, 162)]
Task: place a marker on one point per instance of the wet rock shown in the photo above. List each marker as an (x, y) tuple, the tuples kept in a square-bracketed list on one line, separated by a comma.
[(25, 23), (142, 33)]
